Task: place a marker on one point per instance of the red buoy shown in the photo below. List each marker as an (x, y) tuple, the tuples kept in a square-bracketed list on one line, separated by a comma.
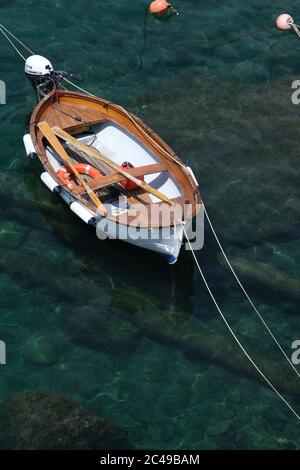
[(128, 184)]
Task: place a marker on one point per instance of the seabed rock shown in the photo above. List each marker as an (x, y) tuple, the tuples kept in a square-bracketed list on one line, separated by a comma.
[(12, 234), (251, 192), (26, 199), (42, 272), (92, 328), (48, 421), (219, 428), (91, 323), (199, 343), (265, 276), (145, 314), (41, 351)]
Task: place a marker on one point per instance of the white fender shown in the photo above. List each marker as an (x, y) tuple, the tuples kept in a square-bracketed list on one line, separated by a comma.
[(192, 175), (50, 182), (83, 213), (29, 147)]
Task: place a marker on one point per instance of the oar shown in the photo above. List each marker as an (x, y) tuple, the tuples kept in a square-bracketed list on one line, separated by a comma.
[(96, 154), (55, 143)]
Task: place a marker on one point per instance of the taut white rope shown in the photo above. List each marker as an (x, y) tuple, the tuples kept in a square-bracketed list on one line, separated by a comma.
[(16, 39), (246, 293), (295, 27), (78, 87), (233, 334), (13, 45)]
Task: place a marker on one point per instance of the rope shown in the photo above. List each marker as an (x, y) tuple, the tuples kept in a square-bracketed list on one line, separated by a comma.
[(232, 332), (295, 28), (13, 45), (246, 294), (16, 39), (78, 87), (145, 37)]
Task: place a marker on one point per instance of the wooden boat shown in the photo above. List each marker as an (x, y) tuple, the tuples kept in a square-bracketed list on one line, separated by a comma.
[(113, 171)]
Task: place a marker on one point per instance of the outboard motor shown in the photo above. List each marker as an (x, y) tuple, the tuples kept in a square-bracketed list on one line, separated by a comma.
[(43, 77), (39, 71)]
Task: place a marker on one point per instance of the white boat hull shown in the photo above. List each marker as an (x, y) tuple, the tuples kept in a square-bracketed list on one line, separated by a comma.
[(164, 241)]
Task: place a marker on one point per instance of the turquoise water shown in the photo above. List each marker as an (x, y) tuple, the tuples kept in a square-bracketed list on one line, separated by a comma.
[(131, 339)]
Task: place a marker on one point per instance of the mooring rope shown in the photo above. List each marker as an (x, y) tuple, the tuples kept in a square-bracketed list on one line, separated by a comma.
[(232, 332), (246, 293), (78, 87), (295, 27), (145, 37), (2, 30), (16, 39)]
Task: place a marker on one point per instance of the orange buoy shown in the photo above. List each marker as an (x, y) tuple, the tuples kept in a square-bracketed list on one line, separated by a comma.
[(162, 10), (65, 172), (159, 7)]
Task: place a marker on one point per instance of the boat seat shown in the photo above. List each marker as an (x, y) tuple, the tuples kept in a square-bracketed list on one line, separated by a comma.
[(115, 177)]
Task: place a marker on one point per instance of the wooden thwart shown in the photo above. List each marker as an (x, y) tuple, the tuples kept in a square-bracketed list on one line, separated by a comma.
[(96, 154), (54, 142), (113, 178)]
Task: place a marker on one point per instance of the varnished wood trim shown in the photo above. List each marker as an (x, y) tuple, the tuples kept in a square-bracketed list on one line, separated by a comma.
[(114, 178)]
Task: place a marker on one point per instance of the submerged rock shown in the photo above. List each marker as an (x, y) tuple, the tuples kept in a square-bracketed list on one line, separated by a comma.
[(250, 437), (41, 350), (12, 234), (219, 428), (95, 325), (42, 272), (47, 421), (242, 132), (144, 313), (94, 329), (265, 276), (199, 343), (28, 198)]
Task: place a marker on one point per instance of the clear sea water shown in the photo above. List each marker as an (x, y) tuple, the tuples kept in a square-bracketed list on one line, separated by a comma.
[(112, 326)]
